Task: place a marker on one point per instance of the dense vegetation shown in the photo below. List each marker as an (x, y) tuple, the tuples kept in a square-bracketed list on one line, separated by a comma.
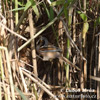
[(71, 25)]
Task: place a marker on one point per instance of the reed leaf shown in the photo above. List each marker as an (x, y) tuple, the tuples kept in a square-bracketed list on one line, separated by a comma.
[(17, 9), (34, 6), (21, 94), (82, 15), (97, 22), (58, 2)]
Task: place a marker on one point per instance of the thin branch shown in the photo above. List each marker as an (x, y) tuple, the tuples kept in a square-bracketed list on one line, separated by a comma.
[(40, 85), (97, 34), (13, 32), (20, 20), (23, 80), (26, 63), (32, 33), (42, 82), (95, 78)]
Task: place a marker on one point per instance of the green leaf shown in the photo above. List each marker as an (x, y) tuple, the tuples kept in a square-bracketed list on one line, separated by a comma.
[(21, 94), (22, 8), (67, 5), (58, 2), (85, 29), (21, 4), (83, 16), (34, 6), (51, 13), (97, 22), (69, 1), (47, 11), (28, 4), (65, 10)]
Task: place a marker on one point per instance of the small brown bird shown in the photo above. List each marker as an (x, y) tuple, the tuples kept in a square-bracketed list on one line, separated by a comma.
[(49, 51)]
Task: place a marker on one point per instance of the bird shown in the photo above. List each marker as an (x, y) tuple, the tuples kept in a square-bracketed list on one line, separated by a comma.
[(49, 51)]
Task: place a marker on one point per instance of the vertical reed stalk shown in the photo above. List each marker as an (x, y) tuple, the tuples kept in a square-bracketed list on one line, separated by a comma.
[(84, 36), (0, 91), (9, 71), (16, 13), (32, 33), (23, 80), (2, 75), (8, 92), (60, 66), (74, 39), (68, 43), (98, 84)]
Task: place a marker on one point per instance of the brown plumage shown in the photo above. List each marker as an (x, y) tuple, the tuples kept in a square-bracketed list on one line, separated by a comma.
[(49, 51)]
